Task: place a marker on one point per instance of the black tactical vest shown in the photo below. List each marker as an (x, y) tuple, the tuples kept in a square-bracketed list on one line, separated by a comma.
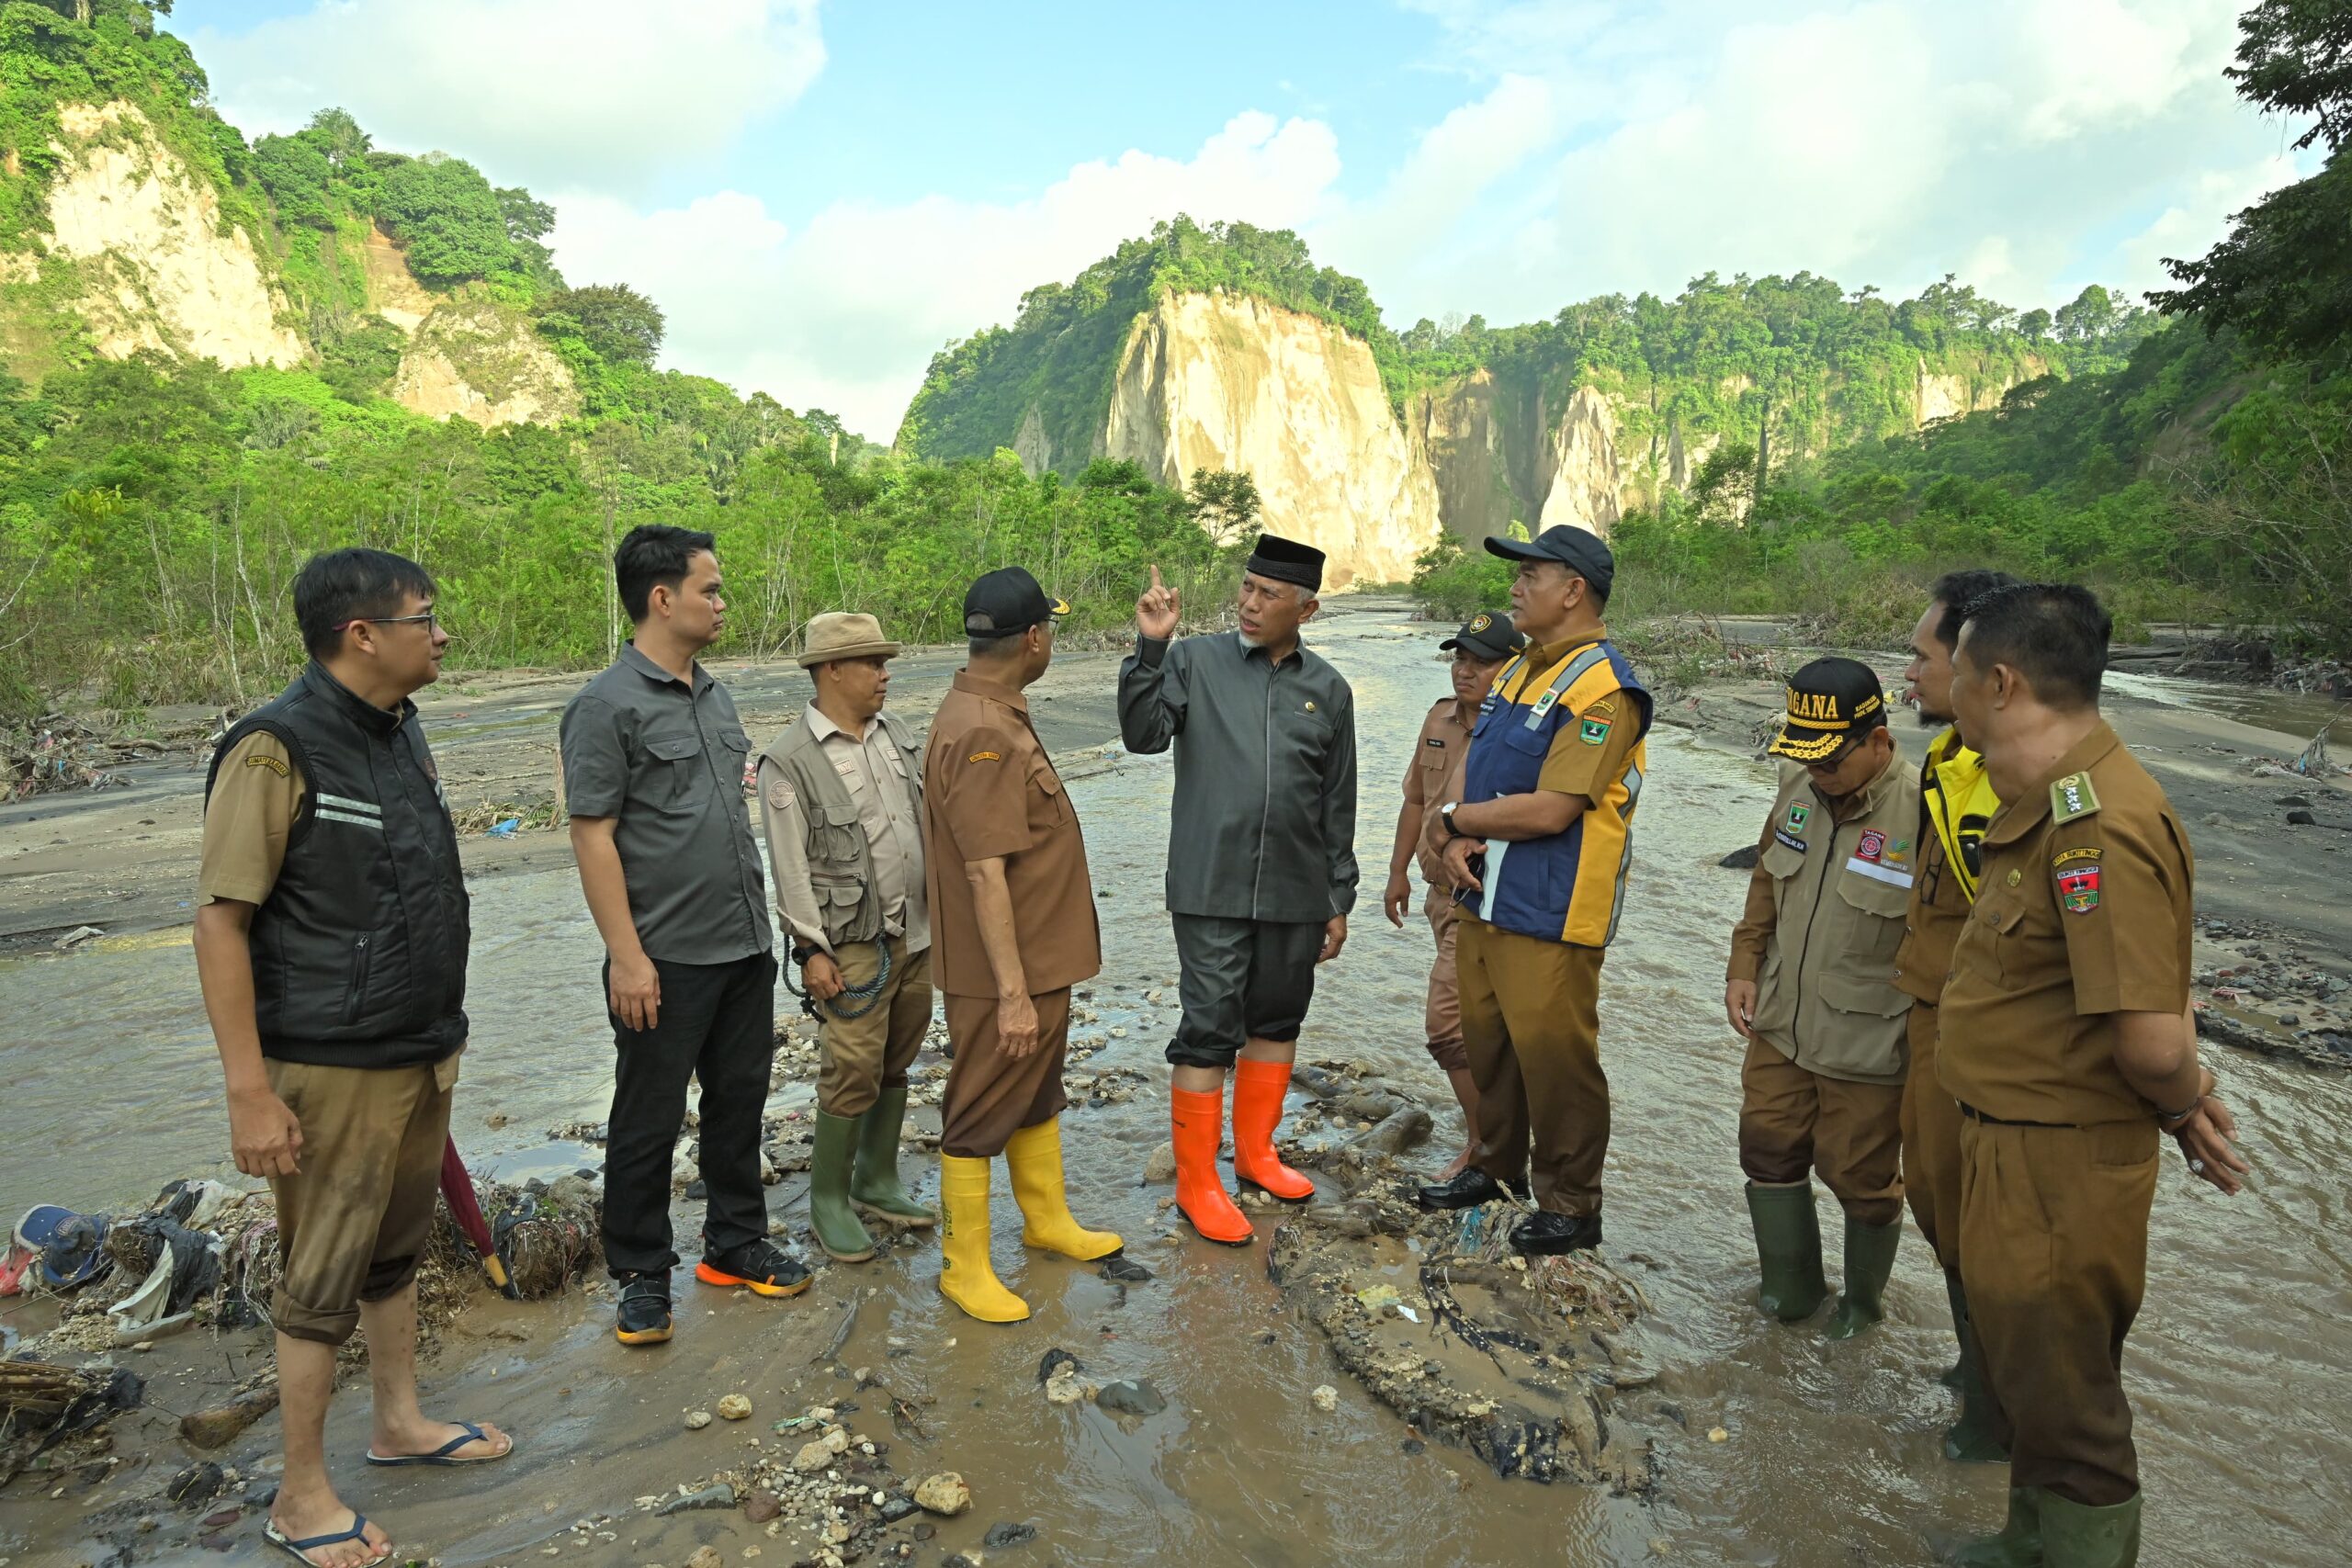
[(359, 951)]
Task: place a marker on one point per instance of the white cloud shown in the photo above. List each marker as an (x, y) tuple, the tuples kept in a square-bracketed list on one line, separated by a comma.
[(603, 93), (2191, 226), (846, 313)]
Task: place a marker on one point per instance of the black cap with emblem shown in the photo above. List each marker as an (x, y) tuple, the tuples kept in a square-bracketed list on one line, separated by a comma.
[(1286, 560), (1486, 635), (1006, 603), (1830, 702)]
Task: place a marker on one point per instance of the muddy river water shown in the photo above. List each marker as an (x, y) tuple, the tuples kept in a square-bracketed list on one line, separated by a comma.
[(2241, 1369)]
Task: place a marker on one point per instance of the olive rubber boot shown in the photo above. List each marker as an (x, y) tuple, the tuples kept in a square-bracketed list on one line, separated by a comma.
[(1971, 1439), (964, 1275), (1788, 1245), (829, 1215), (873, 1184), (2019, 1544), (1870, 1259), (2075, 1535)]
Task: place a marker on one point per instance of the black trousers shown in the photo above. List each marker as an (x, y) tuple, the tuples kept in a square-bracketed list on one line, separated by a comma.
[(717, 1023), (1240, 981)]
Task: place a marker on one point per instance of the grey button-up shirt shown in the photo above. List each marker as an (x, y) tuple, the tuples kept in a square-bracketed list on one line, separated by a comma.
[(1263, 827), (666, 759)]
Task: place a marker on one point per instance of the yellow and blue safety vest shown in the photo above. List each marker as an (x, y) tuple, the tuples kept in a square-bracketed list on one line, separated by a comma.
[(1568, 887)]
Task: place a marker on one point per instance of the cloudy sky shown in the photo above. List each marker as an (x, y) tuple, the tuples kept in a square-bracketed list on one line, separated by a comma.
[(821, 196)]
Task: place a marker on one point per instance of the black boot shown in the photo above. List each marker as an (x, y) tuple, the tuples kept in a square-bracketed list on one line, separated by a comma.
[(1468, 1190), (1543, 1234)]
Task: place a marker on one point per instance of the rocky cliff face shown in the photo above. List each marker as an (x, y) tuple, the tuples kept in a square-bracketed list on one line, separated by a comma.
[(156, 268), (1230, 381), (479, 360)]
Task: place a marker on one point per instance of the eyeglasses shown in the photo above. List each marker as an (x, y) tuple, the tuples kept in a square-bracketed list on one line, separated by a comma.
[(431, 620), (1835, 761)]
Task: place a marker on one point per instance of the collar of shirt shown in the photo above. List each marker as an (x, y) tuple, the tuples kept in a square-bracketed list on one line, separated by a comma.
[(1298, 654), (993, 691), (1551, 653), (2019, 816), (824, 728), (636, 660), (382, 720)]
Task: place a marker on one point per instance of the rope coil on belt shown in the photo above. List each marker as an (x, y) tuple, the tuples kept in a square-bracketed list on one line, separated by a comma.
[(867, 996)]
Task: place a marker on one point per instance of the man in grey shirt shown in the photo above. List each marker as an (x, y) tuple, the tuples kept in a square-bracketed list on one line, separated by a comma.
[(1261, 865), (653, 762)]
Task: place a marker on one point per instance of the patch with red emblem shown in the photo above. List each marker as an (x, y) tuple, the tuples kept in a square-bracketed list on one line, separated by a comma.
[(2078, 888), (1872, 847)]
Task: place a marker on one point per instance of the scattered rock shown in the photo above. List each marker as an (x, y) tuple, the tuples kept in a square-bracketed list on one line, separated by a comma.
[(2295, 801), (1396, 1133), (1717, 1435), (1004, 1535), (1740, 859), (1325, 1398), (896, 1507), (1132, 1396), (2299, 819), (697, 1420), (1159, 1166), (1125, 1271), (944, 1494), (734, 1407), (812, 1458), (1054, 1361), (706, 1557), (721, 1495), (1063, 1387), (762, 1505), (197, 1485)]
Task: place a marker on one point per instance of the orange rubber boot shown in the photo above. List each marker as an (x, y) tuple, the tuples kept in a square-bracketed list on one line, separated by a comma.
[(1258, 1090), (1201, 1197)]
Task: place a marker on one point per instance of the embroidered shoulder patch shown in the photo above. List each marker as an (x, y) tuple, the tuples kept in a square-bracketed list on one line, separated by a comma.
[(275, 764), (2073, 797), (984, 757), (2088, 851), (780, 795), (1799, 814), (2078, 888), (1872, 847), (1593, 731)]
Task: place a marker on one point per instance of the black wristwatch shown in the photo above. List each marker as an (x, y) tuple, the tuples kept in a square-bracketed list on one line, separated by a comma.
[(1445, 815), (801, 955)]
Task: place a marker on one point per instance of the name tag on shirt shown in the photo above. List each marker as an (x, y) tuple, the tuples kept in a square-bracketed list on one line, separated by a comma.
[(1877, 873)]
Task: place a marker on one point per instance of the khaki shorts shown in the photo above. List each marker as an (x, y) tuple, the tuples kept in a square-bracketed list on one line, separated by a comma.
[(352, 1225)]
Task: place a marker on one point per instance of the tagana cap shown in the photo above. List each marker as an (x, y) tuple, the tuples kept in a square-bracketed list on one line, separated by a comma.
[(1006, 603), (1487, 633), (838, 634), (1286, 560), (1583, 553), (1830, 702)]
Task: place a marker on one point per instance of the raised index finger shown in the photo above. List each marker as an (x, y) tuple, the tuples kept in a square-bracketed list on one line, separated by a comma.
[(1154, 576)]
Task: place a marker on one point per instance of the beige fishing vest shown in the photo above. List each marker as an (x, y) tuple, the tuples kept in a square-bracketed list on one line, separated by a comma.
[(834, 839), (1825, 996)]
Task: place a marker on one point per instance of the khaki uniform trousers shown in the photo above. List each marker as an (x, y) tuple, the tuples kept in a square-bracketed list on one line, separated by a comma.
[(1931, 1143), (354, 1222), (1443, 1015), (1531, 1026), (861, 1056), (991, 1096), (2053, 1248), (1794, 1121)]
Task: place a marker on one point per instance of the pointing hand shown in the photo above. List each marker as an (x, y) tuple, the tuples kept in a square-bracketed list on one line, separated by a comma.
[(1157, 611)]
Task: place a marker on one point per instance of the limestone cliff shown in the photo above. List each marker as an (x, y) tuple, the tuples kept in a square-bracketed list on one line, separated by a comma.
[(1230, 381), (150, 262), (479, 360)]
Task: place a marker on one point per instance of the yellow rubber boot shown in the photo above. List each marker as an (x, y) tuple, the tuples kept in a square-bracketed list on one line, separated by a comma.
[(1034, 1157), (964, 1277)]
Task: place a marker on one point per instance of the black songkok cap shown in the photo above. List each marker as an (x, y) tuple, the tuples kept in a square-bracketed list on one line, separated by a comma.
[(1287, 561)]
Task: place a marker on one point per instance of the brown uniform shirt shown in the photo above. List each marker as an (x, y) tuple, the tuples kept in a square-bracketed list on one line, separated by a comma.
[(2084, 911), (1431, 780), (989, 790), (256, 798)]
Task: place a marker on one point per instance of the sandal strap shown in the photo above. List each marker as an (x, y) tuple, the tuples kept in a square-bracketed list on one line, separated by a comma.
[(358, 1531)]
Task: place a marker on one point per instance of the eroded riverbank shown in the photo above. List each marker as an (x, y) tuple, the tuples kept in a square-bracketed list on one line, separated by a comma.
[(1829, 1451)]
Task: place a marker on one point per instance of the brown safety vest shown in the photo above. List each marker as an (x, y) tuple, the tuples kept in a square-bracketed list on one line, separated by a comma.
[(1825, 996)]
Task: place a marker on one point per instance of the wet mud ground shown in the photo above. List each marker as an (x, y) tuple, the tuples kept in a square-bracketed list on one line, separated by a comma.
[(2241, 1369)]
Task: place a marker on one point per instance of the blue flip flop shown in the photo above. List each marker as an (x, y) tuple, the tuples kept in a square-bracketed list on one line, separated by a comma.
[(468, 1433), (302, 1548)]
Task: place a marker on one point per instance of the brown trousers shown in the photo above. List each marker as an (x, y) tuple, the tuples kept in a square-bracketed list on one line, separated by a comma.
[(352, 1223), (1530, 1025), (990, 1095), (861, 1056), (1793, 1122), (1931, 1143), (1443, 1015), (2054, 1249)]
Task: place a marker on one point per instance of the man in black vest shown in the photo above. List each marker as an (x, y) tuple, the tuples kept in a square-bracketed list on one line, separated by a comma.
[(331, 937), (653, 762)]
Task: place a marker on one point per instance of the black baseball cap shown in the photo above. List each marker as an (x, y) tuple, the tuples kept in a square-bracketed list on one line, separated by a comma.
[(1582, 553), (1830, 702), (1006, 603), (1486, 634)]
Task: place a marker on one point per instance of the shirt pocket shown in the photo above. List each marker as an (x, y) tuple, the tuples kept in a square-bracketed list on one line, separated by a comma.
[(671, 774), (1877, 911), (735, 752), (1860, 1028), (833, 837), (2004, 922), (1048, 806)]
